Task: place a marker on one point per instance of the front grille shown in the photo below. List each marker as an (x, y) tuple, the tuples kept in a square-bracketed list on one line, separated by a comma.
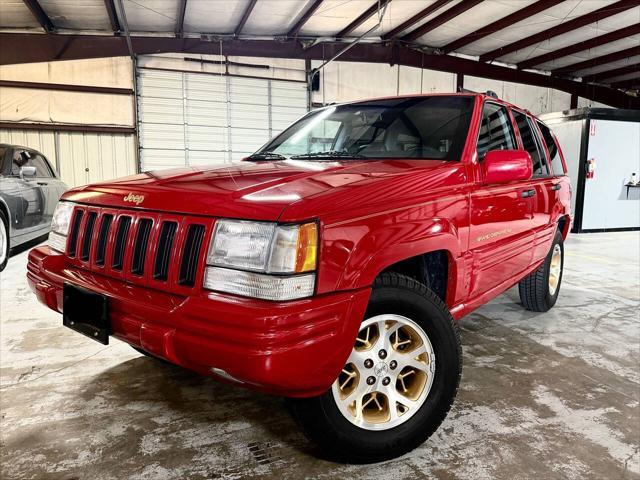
[(75, 232), (190, 255), (162, 251), (120, 243), (103, 235), (165, 243), (140, 247), (88, 236)]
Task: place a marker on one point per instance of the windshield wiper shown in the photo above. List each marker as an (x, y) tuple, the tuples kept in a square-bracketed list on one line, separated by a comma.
[(328, 154), (266, 156)]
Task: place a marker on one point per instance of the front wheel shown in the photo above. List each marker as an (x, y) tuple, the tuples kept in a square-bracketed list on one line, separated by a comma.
[(539, 291), (399, 382), (4, 241)]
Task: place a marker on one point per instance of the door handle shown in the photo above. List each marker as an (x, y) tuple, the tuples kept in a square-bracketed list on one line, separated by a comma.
[(528, 193), (42, 184), (557, 186)]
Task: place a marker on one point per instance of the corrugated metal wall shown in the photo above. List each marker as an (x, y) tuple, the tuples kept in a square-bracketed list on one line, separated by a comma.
[(188, 118), (80, 157)]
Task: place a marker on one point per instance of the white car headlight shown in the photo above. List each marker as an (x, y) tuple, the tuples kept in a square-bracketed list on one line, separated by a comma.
[(240, 248), (60, 225)]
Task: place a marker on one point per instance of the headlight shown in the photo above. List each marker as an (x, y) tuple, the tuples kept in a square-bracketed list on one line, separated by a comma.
[(240, 248), (60, 225)]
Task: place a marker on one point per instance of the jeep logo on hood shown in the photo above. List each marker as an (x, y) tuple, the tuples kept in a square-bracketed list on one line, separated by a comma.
[(133, 198)]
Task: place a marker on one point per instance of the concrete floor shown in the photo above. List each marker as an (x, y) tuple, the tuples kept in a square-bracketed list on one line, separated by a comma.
[(551, 396)]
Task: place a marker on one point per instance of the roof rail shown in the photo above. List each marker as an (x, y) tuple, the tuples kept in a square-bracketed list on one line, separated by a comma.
[(488, 93)]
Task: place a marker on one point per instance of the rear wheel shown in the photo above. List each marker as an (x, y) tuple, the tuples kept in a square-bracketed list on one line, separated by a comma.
[(398, 383), (4, 241), (539, 291)]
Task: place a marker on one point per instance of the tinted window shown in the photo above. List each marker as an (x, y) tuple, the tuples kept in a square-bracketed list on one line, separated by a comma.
[(42, 167), (24, 158), (530, 143), (415, 127), (554, 151), (496, 131)]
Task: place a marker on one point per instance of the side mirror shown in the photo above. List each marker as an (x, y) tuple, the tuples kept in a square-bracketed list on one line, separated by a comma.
[(27, 172), (503, 166)]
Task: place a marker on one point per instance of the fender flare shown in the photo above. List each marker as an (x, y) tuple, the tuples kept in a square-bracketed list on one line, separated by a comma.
[(363, 267)]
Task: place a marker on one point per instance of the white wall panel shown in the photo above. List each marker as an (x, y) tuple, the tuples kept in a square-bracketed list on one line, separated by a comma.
[(347, 81), (93, 157)]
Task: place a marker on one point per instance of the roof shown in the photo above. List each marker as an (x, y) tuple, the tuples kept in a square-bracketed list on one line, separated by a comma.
[(596, 41)]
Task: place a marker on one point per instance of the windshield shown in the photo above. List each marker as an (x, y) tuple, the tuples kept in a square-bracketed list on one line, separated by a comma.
[(416, 127)]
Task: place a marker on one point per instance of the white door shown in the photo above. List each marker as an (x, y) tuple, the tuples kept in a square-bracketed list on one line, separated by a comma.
[(190, 118)]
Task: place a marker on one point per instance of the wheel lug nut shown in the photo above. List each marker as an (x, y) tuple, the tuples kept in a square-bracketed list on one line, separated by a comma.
[(393, 364), (371, 380), (382, 354), (368, 363), (386, 381)]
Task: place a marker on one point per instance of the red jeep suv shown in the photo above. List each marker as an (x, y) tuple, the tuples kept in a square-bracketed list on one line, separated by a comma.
[(328, 267)]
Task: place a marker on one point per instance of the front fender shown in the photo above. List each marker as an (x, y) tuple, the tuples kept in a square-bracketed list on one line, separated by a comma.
[(386, 246)]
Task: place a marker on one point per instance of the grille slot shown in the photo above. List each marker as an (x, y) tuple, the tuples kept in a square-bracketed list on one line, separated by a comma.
[(190, 255), (163, 254), (121, 240), (140, 248), (75, 230), (103, 235), (88, 234)]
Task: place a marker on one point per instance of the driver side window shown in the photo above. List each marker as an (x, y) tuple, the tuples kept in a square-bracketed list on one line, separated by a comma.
[(19, 159), (496, 131)]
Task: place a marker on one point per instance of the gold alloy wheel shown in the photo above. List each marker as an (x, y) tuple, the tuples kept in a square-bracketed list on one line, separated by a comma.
[(388, 375), (555, 269)]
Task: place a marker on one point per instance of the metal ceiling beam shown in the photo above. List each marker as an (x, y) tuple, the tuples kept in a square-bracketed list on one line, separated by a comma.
[(25, 48), (502, 23), (581, 46), (315, 4), (597, 61), (415, 19), (245, 16), (562, 28), (616, 72), (633, 83), (366, 15), (40, 15), (113, 16), (182, 10), (441, 19)]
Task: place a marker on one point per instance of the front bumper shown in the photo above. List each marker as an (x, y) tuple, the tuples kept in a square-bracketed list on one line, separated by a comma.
[(292, 348)]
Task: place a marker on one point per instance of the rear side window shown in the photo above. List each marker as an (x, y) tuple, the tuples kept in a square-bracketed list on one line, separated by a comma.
[(554, 151), (496, 131), (531, 145)]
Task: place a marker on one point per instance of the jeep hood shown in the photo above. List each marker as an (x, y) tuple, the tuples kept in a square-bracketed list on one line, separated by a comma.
[(250, 190)]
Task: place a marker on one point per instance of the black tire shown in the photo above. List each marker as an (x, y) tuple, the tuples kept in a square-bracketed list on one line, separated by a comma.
[(534, 290), (323, 423), (4, 224)]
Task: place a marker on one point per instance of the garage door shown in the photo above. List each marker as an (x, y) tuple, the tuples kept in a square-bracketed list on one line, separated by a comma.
[(195, 119)]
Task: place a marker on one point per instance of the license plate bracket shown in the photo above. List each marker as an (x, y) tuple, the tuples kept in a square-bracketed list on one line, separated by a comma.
[(86, 312)]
